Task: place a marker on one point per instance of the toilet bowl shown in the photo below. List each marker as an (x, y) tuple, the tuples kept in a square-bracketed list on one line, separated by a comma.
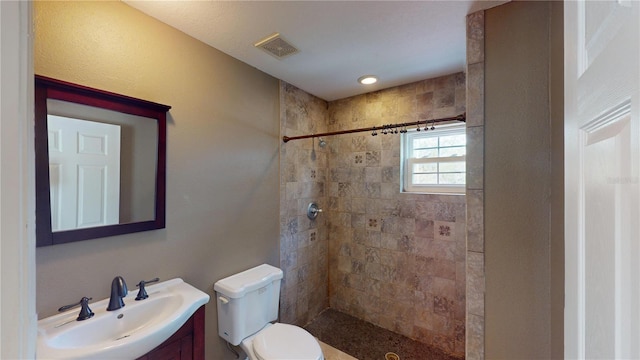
[(247, 305), (282, 341)]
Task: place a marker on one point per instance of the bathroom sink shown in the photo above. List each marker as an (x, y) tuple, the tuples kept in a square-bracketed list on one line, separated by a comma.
[(126, 333)]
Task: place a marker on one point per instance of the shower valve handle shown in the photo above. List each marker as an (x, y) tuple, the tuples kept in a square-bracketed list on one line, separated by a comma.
[(313, 210)]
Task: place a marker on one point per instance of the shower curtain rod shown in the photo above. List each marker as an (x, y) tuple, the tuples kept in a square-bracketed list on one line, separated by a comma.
[(461, 117)]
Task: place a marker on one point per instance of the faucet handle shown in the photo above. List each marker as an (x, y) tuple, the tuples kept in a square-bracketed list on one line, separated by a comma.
[(85, 311), (142, 293)]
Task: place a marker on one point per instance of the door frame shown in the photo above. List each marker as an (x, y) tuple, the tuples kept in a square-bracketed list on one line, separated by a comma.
[(17, 182)]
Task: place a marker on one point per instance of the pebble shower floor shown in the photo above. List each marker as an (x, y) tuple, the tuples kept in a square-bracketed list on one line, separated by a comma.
[(366, 341)]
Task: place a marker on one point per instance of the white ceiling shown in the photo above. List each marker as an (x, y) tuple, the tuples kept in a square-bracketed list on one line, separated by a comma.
[(339, 41)]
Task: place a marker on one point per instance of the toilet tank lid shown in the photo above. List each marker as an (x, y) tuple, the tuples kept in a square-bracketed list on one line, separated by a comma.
[(236, 286)]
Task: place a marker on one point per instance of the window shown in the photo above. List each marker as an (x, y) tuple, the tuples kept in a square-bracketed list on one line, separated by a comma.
[(433, 161)]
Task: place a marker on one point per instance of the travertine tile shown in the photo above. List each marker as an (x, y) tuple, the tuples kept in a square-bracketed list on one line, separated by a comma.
[(475, 180), (304, 242), (475, 283), (475, 337), (475, 157), (475, 37), (475, 220), (475, 94), (444, 98)]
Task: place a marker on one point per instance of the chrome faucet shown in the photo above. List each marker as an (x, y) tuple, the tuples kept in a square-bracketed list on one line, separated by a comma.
[(118, 291)]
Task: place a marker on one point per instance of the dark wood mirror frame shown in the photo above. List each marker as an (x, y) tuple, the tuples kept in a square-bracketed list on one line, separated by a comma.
[(47, 88)]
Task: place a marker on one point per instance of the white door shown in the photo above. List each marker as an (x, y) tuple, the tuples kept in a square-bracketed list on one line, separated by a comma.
[(602, 158), (84, 170)]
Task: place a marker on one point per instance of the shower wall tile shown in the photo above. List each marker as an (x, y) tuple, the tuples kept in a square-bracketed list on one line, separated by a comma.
[(400, 260), (304, 243), (475, 157), (475, 283), (475, 37), (475, 220), (475, 94), (475, 337), (475, 184)]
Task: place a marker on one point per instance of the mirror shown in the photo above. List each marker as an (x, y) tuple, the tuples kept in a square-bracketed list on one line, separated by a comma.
[(100, 163)]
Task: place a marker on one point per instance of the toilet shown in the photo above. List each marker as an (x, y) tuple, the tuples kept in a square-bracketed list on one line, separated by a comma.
[(247, 308)]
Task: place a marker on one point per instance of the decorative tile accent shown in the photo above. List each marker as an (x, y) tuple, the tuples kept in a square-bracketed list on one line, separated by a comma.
[(344, 189), (407, 244), (388, 174), (444, 230), (372, 190), (358, 143), (373, 158), (442, 305)]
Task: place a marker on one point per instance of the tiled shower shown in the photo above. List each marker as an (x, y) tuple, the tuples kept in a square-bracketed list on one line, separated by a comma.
[(394, 259)]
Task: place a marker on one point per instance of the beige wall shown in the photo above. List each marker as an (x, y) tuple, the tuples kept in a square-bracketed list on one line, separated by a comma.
[(222, 150), (523, 213), (556, 85)]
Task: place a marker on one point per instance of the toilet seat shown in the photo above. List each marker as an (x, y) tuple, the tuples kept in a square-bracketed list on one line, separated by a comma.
[(286, 342)]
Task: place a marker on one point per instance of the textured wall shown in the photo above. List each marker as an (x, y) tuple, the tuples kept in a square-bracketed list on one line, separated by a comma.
[(396, 260), (222, 154), (303, 242)]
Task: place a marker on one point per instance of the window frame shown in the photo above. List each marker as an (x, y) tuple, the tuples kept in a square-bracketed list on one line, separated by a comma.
[(408, 162)]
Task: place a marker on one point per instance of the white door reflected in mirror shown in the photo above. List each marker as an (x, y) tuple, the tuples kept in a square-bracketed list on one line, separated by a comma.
[(84, 171)]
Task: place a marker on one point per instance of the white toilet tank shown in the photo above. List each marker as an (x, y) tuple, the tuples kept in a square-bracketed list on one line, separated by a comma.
[(247, 301)]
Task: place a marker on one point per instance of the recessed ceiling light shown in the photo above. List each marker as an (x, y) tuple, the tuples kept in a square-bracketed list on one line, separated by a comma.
[(367, 79)]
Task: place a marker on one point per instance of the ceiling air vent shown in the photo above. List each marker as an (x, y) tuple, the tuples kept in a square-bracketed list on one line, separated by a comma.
[(276, 46)]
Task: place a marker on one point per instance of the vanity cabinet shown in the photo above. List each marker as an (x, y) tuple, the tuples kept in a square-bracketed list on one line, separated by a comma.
[(186, 343)]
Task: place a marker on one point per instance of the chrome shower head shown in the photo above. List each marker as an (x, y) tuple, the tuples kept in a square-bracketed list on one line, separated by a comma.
[(321, 142)]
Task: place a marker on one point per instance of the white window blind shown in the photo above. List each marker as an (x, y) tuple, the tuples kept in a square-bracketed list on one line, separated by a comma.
[(434, 161)]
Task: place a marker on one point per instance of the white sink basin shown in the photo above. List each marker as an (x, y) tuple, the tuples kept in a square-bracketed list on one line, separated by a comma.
[(126, 333)]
